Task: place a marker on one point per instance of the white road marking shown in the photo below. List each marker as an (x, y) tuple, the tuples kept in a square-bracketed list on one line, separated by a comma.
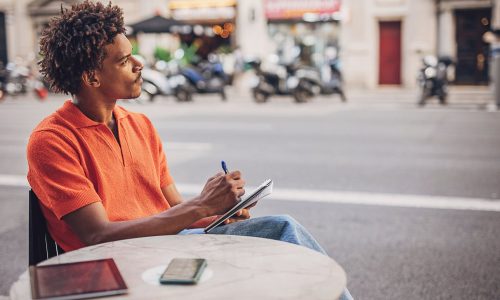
[(324, 196), (13, 180), (366, 198)]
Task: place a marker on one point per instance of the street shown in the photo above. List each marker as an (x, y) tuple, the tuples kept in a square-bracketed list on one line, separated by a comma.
[(405, 199)]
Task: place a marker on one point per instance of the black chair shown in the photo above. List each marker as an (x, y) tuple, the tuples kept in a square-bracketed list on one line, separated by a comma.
[(41, 245)]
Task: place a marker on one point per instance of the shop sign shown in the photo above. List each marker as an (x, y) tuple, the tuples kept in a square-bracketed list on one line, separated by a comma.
[(295, 9), (202, 9), (182, 4)]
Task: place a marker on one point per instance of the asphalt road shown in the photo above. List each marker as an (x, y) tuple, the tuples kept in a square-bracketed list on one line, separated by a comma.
[(405, 199)]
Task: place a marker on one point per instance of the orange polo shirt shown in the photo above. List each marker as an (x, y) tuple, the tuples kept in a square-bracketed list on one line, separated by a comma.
[(74, 161)]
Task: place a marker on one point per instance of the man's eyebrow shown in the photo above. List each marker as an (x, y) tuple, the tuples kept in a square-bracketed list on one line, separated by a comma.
[(123, 57)]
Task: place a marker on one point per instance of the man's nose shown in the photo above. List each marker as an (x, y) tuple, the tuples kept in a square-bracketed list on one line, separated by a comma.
[(138, 66)]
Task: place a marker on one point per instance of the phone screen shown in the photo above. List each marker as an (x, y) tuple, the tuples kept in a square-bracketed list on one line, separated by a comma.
[(183, 271)]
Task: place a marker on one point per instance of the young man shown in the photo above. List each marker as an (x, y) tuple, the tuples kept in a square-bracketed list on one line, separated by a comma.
[(99, 170)]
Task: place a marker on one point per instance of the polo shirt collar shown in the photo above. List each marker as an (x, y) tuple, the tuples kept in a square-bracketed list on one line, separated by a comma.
[(72, 114)]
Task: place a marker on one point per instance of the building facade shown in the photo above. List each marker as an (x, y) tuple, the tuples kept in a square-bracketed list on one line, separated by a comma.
[(380, 42), (21, 22), (383, 41), (461, 26)]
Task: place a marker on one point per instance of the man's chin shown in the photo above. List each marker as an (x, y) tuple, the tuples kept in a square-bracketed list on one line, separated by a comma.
[(133, 95)]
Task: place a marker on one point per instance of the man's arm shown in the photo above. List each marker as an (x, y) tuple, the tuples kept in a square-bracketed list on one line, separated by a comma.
[(91, 224), (172, 195)]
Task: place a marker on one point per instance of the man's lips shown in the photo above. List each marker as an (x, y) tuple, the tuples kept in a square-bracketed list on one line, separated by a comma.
[(139, 78)]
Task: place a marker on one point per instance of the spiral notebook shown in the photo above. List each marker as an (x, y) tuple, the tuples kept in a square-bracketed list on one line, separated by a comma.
[(262, 191)]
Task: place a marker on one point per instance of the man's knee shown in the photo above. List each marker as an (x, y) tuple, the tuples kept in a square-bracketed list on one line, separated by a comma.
[(282, 226), (281, 220)]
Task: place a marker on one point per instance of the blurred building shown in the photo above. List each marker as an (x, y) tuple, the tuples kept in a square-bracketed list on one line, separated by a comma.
[(380, 42), (16, 31), (21, 22), (383, 41), (242, 23), (460, 29), (304, 28)]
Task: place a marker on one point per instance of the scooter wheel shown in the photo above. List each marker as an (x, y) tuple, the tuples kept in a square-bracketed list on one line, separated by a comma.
[(300, 96), (260, 97), (342, 96), (223, 95), (442, 100), (183, 96), (422, 97)]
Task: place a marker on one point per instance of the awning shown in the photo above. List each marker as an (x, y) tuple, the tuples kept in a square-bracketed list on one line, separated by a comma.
[(156, 24)]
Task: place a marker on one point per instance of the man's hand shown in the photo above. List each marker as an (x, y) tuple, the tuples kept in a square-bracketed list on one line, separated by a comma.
[(240, 215), (221, 192)]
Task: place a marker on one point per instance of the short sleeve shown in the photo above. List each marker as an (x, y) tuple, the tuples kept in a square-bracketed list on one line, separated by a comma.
[(56, 174), (165, 177), (164, 172)]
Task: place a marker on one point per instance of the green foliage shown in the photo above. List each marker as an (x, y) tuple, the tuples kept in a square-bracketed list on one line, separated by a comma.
[(162, 54), (190, 55), (224, 49), (135, 47)]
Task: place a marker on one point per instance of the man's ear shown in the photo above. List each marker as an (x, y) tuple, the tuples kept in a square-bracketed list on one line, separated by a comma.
[(90, 79)]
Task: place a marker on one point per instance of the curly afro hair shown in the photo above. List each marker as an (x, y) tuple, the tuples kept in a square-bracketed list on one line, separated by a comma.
[(73, 43)]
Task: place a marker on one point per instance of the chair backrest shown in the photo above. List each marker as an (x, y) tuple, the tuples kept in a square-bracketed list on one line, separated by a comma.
[(41, 245)]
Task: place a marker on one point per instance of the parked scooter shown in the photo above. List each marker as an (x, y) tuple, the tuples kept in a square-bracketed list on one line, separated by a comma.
[(433, 79), (157, 83), (278, 79), (207, 77), (331, 78), (17, 80), (309, 82), (3, 81)]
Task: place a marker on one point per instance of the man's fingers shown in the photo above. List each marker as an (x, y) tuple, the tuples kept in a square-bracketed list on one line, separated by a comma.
[(245, 214), (252, 205), (234, 174), (240, 192), (240, 215), (215, 176)]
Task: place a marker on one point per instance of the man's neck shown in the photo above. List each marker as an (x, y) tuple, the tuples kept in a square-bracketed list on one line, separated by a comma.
[(99, 111)]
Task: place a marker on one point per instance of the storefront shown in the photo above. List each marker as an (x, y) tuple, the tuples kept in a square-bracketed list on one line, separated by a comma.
[(307, 28), (461, 27), (3, 41), (211, 24)]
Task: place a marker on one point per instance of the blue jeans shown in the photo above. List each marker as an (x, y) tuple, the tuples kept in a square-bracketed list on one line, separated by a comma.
[(281, 228)]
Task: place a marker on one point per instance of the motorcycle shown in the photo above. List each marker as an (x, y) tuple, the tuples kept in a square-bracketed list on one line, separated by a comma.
[(433, 79), (331, 78), (156, 83), (17, 80), (279, 79), (207, 77)]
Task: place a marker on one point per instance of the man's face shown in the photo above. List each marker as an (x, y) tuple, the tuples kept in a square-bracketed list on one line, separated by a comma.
[(120, 75)]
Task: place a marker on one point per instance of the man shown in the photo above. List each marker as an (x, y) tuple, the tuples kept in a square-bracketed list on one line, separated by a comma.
[(99, 170)]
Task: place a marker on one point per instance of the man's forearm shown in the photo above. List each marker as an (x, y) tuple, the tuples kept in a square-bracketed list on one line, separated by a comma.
[(202, 223), (91, 224), (170, 221)]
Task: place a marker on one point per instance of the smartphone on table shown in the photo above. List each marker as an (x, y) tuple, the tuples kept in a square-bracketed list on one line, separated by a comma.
[(183, 271)]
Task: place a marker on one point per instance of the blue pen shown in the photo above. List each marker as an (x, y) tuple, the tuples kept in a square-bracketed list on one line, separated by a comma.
[(224, 167)]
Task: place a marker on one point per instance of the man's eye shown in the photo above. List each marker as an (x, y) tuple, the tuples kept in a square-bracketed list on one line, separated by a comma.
[(125, 61)]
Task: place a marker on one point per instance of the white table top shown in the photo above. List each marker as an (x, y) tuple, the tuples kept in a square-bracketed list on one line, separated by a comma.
[(238, 267)]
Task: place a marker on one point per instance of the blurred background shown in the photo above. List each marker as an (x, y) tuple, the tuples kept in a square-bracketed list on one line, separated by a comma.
[(368, 43), (376, 119)]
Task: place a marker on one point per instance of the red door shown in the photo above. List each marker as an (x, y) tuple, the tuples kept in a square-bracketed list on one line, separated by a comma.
[(390, 53)]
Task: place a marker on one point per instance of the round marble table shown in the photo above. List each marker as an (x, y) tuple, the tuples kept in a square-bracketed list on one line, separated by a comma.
[(238, 267)]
